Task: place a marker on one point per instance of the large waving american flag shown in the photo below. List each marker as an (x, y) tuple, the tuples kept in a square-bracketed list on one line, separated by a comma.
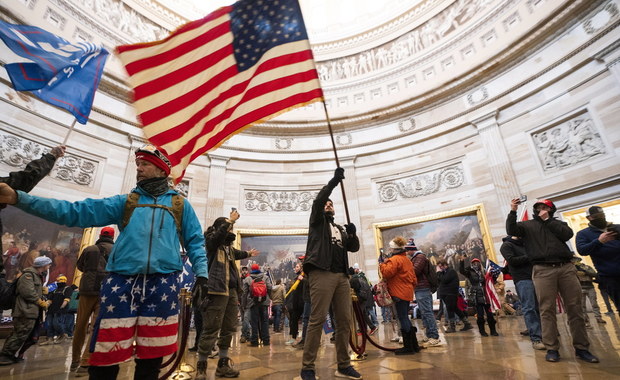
[(211, 78)]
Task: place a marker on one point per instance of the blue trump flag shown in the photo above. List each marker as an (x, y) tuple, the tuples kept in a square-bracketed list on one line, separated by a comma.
[(58, 72)]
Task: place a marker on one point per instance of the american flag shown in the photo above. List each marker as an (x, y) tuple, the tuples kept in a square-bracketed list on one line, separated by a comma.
[(211, 78), (493, 270)]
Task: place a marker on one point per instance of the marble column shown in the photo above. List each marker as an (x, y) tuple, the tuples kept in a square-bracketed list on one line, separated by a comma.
[(215, 191), (499, 165), (129, 178), (350, 188)]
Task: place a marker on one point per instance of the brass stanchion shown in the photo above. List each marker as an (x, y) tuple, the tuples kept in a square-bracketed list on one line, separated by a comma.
[(183, 369)]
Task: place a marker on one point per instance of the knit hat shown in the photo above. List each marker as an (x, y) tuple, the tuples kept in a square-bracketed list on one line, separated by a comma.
[(155, 156), (41, 261), (107, 232), (356, 266), (594, 210), (61, 278), (255, 267), (398, 242), (411, 245)]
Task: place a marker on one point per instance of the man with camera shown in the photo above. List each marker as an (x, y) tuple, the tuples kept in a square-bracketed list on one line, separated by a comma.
[(600, 240)]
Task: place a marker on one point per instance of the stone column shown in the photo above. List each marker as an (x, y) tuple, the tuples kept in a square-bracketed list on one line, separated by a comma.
[(503, 176), (129, 179), (350, 188), (215, 191)]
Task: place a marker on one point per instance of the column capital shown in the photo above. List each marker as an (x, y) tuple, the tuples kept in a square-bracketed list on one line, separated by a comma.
[(486, 120), (218, 161)]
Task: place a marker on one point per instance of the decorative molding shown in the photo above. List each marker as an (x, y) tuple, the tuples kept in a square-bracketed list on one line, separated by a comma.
[(17, 152), (55, 18), (567, 143), (283, 143), (406, 125), (422, 184), (344, 139), (477, 96), (279, 200), (601, 19)]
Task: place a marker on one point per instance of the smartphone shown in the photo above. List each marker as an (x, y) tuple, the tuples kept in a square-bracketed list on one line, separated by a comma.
[(522, 198), (381, 251), (233, 209)]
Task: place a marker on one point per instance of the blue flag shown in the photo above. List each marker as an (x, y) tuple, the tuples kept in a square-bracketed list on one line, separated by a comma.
[(58, 72)]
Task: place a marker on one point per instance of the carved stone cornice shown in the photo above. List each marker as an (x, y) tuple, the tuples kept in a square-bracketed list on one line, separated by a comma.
[(264, 200), (418, 185)]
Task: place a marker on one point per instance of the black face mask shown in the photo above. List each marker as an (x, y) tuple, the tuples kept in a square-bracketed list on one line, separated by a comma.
[(230, 237), (599, 223)]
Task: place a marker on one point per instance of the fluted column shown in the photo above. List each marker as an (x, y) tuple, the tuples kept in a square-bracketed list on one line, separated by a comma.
[(498, 160), (350, 188), (215, 192), (129, 179)]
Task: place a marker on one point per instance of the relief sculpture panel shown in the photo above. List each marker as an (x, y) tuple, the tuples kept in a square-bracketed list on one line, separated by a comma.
[(422, 184)]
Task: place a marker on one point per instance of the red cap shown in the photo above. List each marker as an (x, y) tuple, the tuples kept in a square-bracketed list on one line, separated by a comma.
[(301, 257), (107, 231), (255, 267), (474, 260)]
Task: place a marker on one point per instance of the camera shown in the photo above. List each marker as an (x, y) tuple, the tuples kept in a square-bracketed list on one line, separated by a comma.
[(522, 198)]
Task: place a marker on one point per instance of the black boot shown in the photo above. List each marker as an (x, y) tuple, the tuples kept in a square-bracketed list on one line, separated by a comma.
[(414, 339), (225, 368), (147, 369), (492, 324), (466, 325), (407, 342), (103, 372), (481, 327), (201, 370)]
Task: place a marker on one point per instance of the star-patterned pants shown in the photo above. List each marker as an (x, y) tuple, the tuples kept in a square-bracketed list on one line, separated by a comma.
[(138, 315)]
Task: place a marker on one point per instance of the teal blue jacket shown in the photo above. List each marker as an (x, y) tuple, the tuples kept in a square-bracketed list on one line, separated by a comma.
[(148, 244)]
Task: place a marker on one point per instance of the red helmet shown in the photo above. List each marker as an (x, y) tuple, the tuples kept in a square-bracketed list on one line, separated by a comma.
[(547, 203)]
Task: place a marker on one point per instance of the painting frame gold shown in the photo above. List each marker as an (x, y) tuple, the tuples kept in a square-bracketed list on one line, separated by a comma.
[(474, 210)]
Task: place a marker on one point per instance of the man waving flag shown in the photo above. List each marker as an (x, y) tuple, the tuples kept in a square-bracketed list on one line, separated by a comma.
[(58, 72), (237, 67)]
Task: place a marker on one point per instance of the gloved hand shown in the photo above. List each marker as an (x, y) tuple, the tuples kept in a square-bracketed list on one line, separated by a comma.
[(338, 177), (43, 304), (381, 259), (350, 228), (201, 290)]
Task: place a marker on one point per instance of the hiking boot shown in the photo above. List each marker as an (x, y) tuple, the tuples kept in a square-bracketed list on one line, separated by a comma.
[(600, 320), (225, 368), (201, 370), (552, 356), (466, 326), (60, 339), (451, 329), (307, 374), (538, 345), (348, 373), (585, 355), (6, 360)]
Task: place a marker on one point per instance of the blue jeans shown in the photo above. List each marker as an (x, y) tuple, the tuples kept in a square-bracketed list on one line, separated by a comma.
[(529, 307), (260, 324), (402, 312), (246, 328), (373, 315), (276, 310), (425, 306)]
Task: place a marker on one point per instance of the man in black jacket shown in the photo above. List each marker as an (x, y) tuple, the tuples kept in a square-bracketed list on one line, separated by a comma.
[(27, 179), (544, 238), (521, 271), (325, 265), (92, 264)]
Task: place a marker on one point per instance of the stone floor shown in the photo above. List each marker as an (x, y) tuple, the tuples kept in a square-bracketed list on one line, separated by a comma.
[(466, 355)]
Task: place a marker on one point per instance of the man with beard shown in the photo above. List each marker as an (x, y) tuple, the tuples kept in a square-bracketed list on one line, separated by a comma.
[(139, 298), (220, 309), (600, 240), (325, 265)]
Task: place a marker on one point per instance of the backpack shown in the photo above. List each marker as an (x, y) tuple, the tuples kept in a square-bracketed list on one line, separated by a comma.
[(176, 211), (73, 302), (431, 276), (365, 292), (8, 293), (258, 290), (382, 296)]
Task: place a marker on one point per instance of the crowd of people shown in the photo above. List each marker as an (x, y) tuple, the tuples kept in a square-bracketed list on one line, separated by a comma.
[(124, 300)]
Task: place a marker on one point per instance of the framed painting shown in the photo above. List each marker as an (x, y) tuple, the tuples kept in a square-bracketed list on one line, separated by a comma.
[(279, 250), (447, 234), (26, 237)]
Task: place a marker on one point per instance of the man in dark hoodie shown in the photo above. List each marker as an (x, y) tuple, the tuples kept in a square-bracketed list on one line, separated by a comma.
[(521, 271), (544, 239), (601, 241), (221, 308), (325, 265), (92, 264)]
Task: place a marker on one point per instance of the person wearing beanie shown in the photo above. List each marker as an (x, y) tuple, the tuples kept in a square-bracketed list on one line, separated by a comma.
[(25, 180), (544, 238), (259, 313), (325, 266), (399, 274), (91, 262), (224, 290), (27, 312), (141, 290)]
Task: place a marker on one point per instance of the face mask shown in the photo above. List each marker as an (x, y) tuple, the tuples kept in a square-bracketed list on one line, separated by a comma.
[(599, 223), (230, 237)]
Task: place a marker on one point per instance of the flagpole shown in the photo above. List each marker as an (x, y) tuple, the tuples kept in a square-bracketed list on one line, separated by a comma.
[(331, 135), (69, 133)]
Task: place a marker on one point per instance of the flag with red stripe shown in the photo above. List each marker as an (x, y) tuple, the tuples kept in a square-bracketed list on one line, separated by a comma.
[(490, 277), (238, 66)]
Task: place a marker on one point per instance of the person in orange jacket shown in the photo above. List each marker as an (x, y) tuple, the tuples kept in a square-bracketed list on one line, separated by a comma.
[(399, 274)]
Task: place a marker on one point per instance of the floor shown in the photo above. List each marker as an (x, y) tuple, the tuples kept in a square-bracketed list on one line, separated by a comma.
[(466, 355)]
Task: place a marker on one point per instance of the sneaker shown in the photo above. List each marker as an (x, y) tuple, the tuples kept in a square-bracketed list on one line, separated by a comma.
[(348, 373), (243, 339), (538, 345), (372, 331), (432, 342), (307, 374), (586, 356), (290, 342), (552, 356), (601, 320), (225, 368)]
